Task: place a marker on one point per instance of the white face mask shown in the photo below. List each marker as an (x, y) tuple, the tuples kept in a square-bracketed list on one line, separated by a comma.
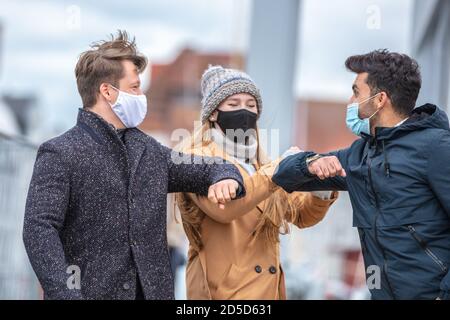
[(130, 108)]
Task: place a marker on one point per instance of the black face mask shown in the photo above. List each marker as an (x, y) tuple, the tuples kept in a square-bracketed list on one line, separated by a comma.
[(239, 119), (234, 120)]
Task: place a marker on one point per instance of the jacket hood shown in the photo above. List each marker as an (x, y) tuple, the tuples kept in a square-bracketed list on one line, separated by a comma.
[(427, 116)]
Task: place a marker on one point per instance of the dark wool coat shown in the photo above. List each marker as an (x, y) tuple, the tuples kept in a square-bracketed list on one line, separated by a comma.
[(98, 203)]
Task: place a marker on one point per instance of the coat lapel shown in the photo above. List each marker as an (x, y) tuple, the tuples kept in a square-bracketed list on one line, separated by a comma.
[(135, 148)]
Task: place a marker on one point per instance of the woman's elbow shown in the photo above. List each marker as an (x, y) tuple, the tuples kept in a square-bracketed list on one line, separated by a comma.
[(222, 218), (226, 215)]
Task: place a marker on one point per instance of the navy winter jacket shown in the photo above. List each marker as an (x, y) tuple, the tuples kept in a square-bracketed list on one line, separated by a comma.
[(399, 186)]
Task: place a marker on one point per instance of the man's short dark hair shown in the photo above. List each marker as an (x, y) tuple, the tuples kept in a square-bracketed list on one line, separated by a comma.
[(396, 74)]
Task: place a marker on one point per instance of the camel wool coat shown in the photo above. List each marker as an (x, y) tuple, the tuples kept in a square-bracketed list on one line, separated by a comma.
[(233, 263)]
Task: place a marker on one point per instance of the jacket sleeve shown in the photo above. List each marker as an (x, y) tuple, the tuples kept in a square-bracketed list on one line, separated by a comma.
[(195, 174), (308, 209), (292, 174), (46, 205), (258, 188), (439, 181)]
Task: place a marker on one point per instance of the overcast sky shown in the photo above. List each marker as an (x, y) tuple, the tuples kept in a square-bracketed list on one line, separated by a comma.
[(42, 40), (333, 30)]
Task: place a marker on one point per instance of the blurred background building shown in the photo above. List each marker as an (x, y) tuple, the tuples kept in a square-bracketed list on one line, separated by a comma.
[(298, 65), (174, 93)]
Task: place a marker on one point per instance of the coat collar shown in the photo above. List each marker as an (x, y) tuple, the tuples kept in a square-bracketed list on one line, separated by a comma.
[(102, 131), (105, 134)]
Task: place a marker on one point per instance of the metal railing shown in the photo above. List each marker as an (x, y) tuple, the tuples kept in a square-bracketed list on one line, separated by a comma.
[(17, 279)]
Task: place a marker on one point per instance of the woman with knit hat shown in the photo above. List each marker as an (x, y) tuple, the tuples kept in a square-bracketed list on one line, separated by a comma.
[(234, 250)]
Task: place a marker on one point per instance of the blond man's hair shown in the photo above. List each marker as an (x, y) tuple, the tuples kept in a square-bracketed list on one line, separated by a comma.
[(103, 63)]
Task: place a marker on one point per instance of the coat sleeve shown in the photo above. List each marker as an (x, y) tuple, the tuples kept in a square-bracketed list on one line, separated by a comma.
[(308, 209), (258, 188), (195, 174), (45, 210), (292, 174), (439, 181)]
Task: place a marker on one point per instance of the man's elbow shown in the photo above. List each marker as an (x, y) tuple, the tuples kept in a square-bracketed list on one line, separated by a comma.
[(27, 236), (31, 235), (312, 221), (285, 183)]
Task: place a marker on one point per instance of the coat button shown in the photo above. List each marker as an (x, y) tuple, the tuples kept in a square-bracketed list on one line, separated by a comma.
[(272, 270), (258, 269), (126, 286)]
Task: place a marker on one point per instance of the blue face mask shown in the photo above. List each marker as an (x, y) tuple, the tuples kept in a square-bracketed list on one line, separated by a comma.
[(354, 122)]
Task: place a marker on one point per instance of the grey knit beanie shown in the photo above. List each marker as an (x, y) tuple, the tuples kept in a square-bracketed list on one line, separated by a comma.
[(219, 83)]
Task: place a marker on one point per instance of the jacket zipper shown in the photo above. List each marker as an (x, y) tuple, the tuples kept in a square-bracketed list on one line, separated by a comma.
[(384, 269), (427, 250), (363, 241)]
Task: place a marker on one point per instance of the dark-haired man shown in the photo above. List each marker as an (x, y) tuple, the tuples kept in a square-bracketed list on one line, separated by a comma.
[(95, 219), (397, 176)]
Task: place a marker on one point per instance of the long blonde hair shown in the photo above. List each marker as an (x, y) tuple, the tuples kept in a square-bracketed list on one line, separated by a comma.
[(274, 218)]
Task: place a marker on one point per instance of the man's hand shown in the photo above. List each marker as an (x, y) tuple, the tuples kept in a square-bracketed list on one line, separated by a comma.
[(223, 191), (326, 167)]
